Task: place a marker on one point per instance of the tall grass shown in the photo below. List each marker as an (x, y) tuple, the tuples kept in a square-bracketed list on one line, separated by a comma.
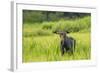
[(47, 28), (41, 44), (69, 25), (47, 48)]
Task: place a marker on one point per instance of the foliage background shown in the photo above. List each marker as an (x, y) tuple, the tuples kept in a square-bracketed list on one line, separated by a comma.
[(40, 43)]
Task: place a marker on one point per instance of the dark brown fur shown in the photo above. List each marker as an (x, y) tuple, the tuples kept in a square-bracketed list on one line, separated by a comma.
[(67, 43)]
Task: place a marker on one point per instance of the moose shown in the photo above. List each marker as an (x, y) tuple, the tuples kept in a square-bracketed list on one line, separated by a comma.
[(67, 44)]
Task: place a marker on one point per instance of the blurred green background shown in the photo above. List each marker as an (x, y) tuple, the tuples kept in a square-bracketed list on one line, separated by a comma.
[(40, 43)]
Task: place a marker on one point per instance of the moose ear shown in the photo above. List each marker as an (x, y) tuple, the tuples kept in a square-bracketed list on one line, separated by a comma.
[(55, 31), (67, 32)]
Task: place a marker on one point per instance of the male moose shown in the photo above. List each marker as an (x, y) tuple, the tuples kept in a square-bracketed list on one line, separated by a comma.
[(67, 43)]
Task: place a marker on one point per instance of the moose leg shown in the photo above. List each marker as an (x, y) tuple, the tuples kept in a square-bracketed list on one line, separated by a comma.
[(70, 47), (73, 46), (62, 50)]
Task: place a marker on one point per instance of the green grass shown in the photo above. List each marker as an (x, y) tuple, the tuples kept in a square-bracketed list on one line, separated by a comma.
[(41, 44), (46, 28), (47, 48)]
